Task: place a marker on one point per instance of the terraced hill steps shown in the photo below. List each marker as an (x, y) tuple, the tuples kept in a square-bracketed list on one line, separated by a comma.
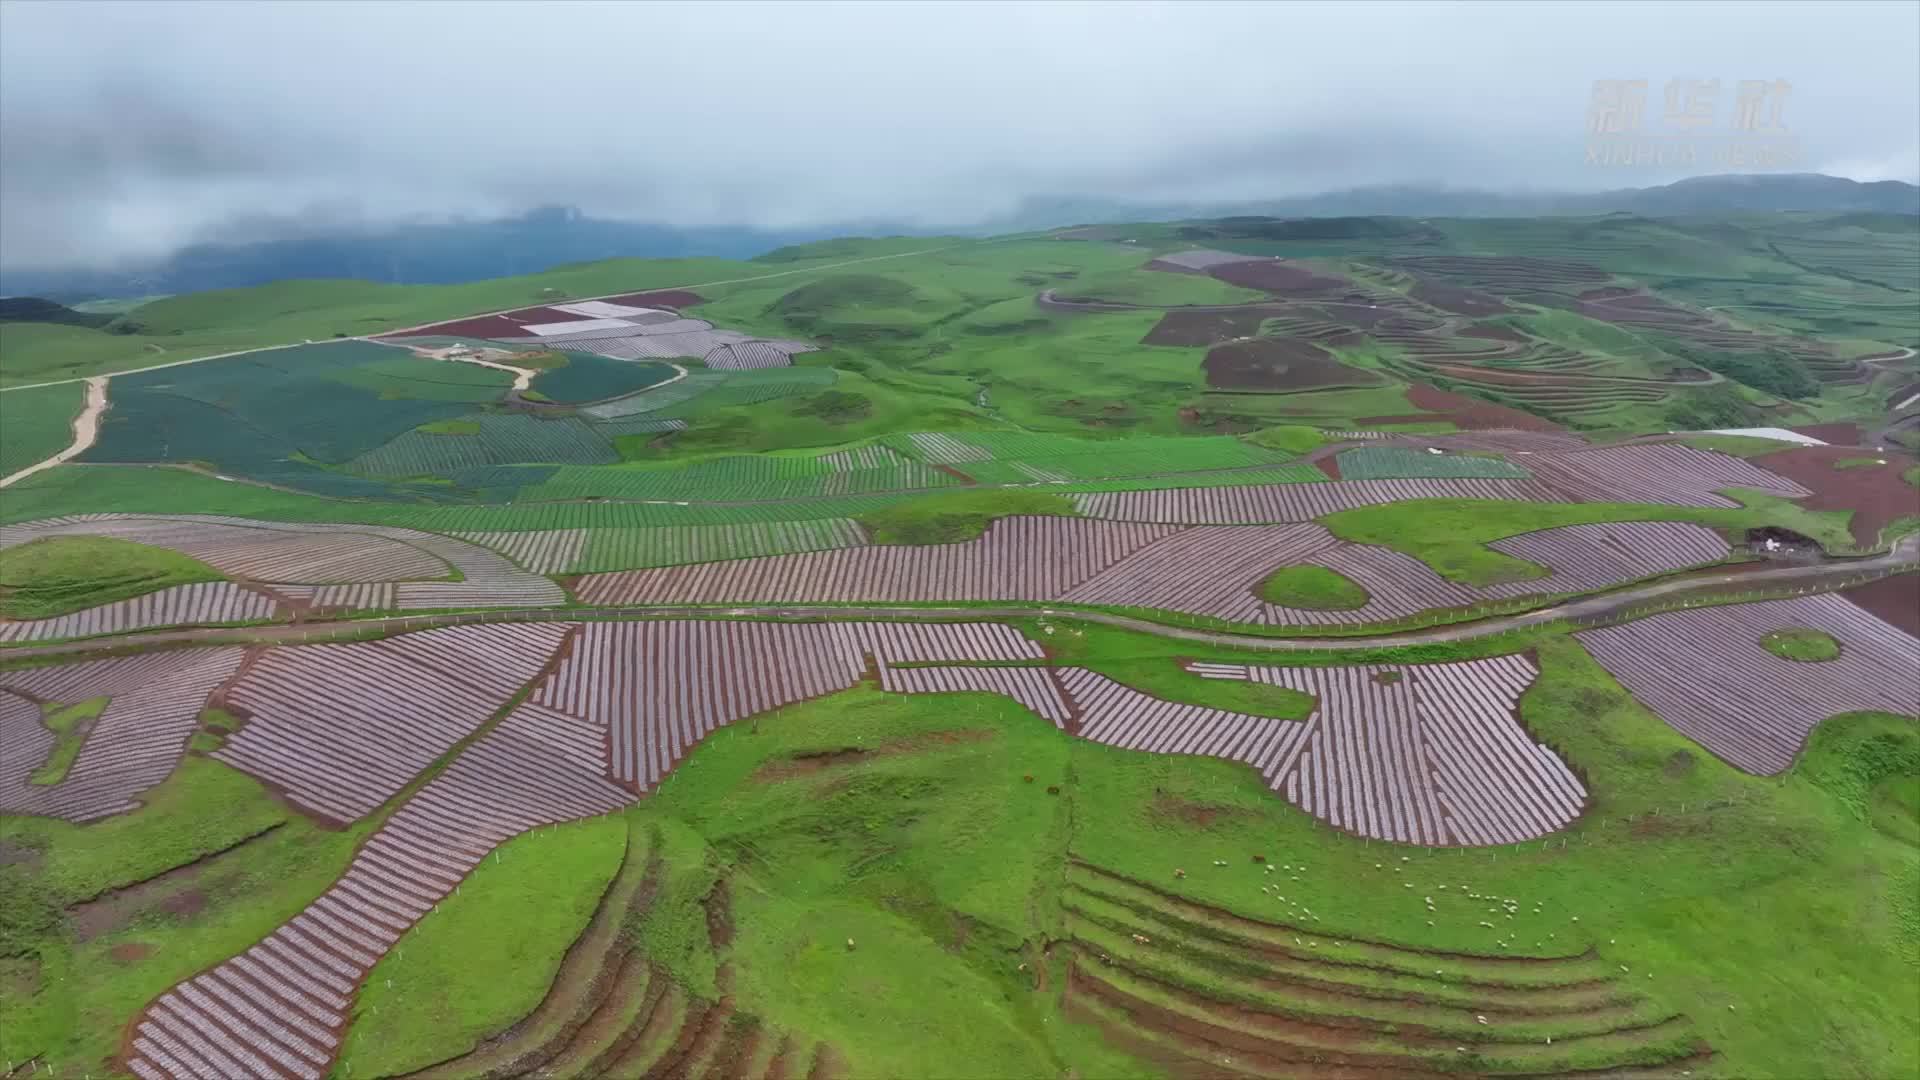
[(612, 1012), (1210, 992)]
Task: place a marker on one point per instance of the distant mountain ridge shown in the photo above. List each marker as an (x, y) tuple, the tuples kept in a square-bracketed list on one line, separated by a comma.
[(541, 239)]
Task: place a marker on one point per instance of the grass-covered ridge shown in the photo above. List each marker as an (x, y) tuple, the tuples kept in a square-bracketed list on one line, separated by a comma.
[(955, 516), (973, 854), (1315, 588), (59, 574), (36, 424)]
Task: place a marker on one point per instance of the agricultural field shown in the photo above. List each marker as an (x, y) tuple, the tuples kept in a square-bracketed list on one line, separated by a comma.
[(1236, 648)]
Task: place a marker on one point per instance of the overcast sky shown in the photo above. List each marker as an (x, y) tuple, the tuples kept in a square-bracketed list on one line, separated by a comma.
[(128, 130)]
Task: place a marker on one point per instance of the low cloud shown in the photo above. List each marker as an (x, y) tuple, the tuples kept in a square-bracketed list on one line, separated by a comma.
[(129, 130)]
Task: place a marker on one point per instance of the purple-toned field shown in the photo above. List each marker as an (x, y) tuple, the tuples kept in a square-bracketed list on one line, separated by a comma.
[(182, 605), (1033, 687), (750, 355), (1017, 558), (279, 1009), (132, 745), (1261, 503), (257, 551), (341, 728), (396, 557), (1656, 473), (658, 688), (1211, 570), (548, 552), (1115, 714), (1587, 557), (1705, 672), (1423, 754)]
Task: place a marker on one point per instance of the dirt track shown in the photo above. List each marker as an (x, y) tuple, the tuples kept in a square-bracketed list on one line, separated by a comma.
[(571, 300), (1819, 577), (86, 428)]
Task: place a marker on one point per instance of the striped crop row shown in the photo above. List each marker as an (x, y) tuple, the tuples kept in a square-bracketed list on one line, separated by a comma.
[(1656, 473), (1425, 754), (1704, 671), (487, 578), (1206, 570), (341, 728), (655, 398), (256, 550), (745, 356), (1118, 715), (134, 743), (1032, 687), (1017, 558), (554, 551), (1293, 502), (1587, 557), (1391, 462), (280, 1008), (182, 605), (617, 549), (658, 688)]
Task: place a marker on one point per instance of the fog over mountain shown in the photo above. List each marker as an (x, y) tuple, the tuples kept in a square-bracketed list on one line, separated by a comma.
[(131, 131)]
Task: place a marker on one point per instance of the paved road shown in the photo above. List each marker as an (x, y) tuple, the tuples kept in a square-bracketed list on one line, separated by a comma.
[(1818, 577)]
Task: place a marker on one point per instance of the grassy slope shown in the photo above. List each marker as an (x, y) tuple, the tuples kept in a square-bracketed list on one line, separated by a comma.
[(955, 516), (1723, 907), (60, 574), (67, 1000), (942, 863), (36, 424), (527, 902), (68, 727), (289, 312), (1802, 644)]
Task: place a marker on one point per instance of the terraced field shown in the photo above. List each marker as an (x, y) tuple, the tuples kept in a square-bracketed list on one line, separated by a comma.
[(1214, 991), (1665, 834)]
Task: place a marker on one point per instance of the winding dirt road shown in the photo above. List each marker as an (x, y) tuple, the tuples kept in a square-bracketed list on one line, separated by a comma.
[(86, 428), (570, 300), (1624, 605)]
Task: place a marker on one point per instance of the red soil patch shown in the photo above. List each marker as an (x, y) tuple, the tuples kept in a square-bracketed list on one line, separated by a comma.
[(1275, 276), (808, 764), (1203, 327), (666, 298), (1837, 434), (1469, 414), (1330, 465), (131, 952), (1494, 332), (1456, 299), (1875, 493), (1279, 364), (1167, 808), (1895, 599)]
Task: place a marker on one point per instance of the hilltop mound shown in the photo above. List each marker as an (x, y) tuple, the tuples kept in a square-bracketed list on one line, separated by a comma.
[(34, 309)]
